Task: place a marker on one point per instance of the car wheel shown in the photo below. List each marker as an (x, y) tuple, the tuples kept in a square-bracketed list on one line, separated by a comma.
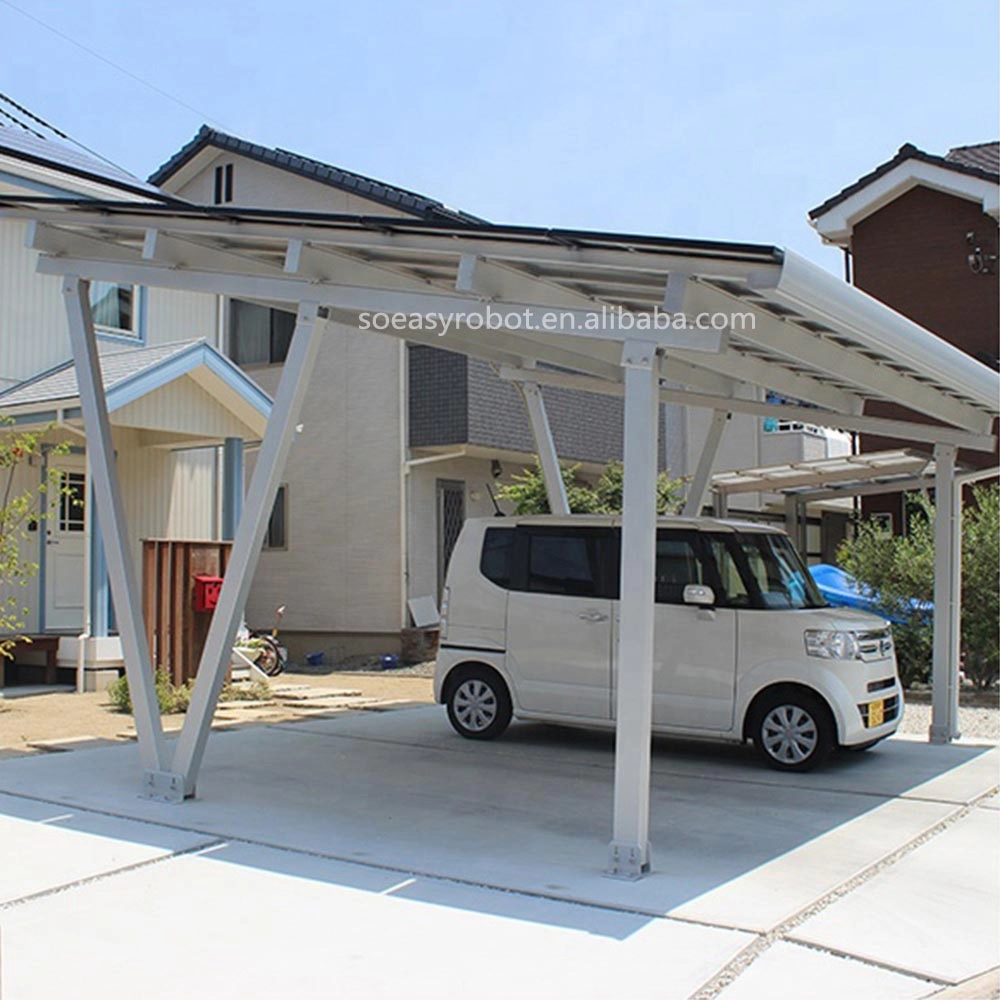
[(479, 705), (793, 731)]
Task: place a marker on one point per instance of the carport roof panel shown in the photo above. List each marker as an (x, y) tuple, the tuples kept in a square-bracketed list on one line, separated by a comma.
[(842, 472), (811, 332)]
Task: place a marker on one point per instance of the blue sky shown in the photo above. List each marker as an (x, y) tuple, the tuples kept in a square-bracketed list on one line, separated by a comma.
[(714, 120)]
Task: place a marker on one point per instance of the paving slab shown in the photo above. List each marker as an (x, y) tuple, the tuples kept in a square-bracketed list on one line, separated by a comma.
[(732, 842), (43, 847), (791, 972), (248, 922), (932, 913)]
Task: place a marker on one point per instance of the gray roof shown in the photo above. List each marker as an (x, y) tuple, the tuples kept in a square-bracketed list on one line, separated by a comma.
[(22, 145), (117, 365), (344, 180)]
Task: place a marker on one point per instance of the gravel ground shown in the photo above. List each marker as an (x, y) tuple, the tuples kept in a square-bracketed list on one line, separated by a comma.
[(973, 723)]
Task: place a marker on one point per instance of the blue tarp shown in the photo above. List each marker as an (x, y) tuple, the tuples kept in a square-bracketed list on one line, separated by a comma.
[(841, 590)]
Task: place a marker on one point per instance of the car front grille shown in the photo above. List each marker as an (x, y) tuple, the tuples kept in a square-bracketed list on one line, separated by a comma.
[(890, 711)]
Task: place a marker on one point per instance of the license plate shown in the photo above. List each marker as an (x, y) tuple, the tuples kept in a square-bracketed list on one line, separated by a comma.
[(876, 714)]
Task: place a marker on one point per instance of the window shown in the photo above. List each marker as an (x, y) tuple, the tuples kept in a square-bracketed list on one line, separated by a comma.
[(72, 512), (678, 563), (259, 335), (113, 308), (732, 589), (277, 526), (777, 572), (224, 184), (495, 562), (567, 561)]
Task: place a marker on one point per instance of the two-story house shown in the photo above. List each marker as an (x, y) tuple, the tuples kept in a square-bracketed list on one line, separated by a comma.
[(919, 232)]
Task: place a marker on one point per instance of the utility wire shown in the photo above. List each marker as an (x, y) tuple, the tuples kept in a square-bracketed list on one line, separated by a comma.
[(114, 65), (55, 131)]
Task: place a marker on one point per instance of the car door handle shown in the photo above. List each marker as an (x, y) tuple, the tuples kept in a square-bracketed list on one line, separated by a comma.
[(592, 616)]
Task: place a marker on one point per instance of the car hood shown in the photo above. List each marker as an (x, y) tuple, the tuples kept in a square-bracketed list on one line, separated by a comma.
[(844, 619)]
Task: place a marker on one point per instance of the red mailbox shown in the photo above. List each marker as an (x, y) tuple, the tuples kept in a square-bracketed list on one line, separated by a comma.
[(206, 592)]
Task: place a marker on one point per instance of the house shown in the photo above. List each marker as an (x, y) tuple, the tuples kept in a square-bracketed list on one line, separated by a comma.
[(919, 232), (379, 482), (176, 401)]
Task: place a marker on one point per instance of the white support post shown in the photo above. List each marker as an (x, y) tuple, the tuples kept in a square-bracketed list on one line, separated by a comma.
[(698, 490), (555, 488), (267, 473), (947, 597), (629, 851), (111, 514)]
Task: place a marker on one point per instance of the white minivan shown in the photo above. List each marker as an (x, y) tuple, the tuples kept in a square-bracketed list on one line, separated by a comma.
[(746, 648)]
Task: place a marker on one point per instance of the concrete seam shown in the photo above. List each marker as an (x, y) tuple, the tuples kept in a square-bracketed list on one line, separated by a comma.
[(104, 875), (780, 932)]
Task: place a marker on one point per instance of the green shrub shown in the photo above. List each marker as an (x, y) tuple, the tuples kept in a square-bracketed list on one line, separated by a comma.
[(172, 698), (899, 569), (527, 493)]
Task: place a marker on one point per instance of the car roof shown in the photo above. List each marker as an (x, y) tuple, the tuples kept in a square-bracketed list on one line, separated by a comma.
[(614, 520)]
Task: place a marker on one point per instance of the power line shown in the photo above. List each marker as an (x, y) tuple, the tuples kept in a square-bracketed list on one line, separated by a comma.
[(114, 65), (55, 131)]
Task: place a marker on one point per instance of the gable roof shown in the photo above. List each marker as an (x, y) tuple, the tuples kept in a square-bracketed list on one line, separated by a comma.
[(984, 155), (973, 161), (315, 170), (20, 144), (130, 373)]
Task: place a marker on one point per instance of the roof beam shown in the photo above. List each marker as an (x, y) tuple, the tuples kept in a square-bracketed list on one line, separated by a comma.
[(363, 303), (795, 343), (896, 429), (748, 369)]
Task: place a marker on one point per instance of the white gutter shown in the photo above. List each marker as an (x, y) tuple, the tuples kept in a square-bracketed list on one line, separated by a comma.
[(814, 292)]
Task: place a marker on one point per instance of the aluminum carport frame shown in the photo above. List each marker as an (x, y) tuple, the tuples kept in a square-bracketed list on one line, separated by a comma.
[(811, 338)]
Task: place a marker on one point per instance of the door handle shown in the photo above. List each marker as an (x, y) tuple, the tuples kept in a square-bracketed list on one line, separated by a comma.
[(592, 616)]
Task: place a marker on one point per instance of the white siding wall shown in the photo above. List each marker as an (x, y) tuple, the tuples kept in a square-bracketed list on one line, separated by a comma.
[(181, 407), (258, 185), (32, 316), (342, 571), (33, 333)]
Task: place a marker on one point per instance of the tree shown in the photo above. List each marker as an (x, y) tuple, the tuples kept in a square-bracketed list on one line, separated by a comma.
[(898, 570), (527, 491), (18, 507)]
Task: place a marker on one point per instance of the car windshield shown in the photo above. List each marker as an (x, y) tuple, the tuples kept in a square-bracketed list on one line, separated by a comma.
[(776, 572)]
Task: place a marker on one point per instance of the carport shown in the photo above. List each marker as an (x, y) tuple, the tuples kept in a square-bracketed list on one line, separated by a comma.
[(626, 315)]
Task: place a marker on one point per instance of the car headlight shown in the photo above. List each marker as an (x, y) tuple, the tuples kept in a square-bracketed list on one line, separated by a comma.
[(831, 645)]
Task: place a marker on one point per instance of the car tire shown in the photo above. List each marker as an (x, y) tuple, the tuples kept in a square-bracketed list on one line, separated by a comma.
[(793, 731), (479, 705)]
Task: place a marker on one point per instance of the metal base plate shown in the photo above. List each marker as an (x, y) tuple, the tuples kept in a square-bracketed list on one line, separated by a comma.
[(164, 786), (628, 861)]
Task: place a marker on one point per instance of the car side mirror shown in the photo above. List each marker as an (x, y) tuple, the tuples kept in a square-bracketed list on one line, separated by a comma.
[(700, 595)]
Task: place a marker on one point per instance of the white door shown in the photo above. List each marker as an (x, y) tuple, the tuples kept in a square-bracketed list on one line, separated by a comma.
[(559, 622), (65, 545), (694, 663), (694, 651)]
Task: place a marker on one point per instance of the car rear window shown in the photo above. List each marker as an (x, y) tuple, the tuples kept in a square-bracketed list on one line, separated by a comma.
[(495, 562)]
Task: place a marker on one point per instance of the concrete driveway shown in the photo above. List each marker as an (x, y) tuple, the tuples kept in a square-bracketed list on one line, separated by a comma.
[(376, 854)]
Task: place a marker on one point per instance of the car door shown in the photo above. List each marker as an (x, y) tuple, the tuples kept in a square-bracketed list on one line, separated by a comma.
[(694, 660), (559, 621)]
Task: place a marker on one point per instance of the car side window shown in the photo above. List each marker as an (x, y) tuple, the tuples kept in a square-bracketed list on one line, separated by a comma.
[(563, 561), (679, 562), (497, 556), (732, 590)]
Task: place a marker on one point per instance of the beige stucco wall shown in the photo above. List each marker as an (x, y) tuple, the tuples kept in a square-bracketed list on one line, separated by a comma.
[(342, 570)]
